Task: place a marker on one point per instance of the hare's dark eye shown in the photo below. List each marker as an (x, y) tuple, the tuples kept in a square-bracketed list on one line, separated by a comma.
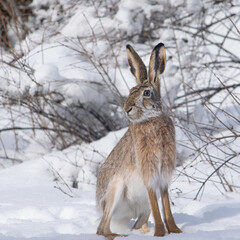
[(146, 93)]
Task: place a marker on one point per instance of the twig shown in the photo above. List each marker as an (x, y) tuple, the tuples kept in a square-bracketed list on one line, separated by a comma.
[(206, 180)]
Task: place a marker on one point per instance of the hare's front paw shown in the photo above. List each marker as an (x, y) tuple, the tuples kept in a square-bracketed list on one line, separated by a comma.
[(175, 230), (159, 231)]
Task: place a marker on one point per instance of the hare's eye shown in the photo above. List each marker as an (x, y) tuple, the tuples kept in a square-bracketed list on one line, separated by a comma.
[(146, 93)]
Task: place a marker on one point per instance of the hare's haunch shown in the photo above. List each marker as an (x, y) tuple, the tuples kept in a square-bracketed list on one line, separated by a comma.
[(143, 161)]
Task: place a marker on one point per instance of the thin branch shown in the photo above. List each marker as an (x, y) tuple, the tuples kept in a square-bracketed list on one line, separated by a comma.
[(206, 180)]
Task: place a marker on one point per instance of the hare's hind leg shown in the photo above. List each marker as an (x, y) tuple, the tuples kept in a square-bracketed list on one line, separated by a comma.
[(142, 223), (159, 226), (168, 217), (110, 202), (104, 225)]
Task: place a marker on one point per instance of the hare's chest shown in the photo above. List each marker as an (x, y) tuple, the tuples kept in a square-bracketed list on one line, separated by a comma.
[(148, 146), (154, 147), (151, 161), (148, 152)]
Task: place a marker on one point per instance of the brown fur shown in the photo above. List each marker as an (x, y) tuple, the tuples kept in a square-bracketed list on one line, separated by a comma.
[(146, 153), (154, 143)]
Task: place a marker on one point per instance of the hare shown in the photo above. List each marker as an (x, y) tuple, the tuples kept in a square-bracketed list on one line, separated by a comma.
[(143, 161)]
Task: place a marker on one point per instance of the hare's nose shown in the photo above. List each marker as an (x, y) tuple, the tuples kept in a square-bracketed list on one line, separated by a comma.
[(129, 110)]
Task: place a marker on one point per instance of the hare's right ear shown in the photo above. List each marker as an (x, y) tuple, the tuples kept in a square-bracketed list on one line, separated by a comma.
[(137, 67), (157, 66)]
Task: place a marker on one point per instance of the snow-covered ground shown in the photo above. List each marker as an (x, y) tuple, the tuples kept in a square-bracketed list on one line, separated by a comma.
[(48, 193), (33, 206)]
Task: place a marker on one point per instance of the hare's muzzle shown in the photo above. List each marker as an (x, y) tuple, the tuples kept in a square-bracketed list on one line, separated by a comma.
[(128, 110)]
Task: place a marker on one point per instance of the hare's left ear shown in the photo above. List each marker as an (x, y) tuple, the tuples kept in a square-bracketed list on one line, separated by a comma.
[(137, 67), (157, 66)]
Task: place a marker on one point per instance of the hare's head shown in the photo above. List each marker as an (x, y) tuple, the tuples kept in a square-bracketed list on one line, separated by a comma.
[(144, 100)]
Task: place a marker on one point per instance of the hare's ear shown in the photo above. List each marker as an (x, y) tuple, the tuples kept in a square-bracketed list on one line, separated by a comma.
[(137, 67), (157, 65)]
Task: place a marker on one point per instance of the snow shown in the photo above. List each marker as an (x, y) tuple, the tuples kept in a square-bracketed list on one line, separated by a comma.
[(48, 193), (33, 206)]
